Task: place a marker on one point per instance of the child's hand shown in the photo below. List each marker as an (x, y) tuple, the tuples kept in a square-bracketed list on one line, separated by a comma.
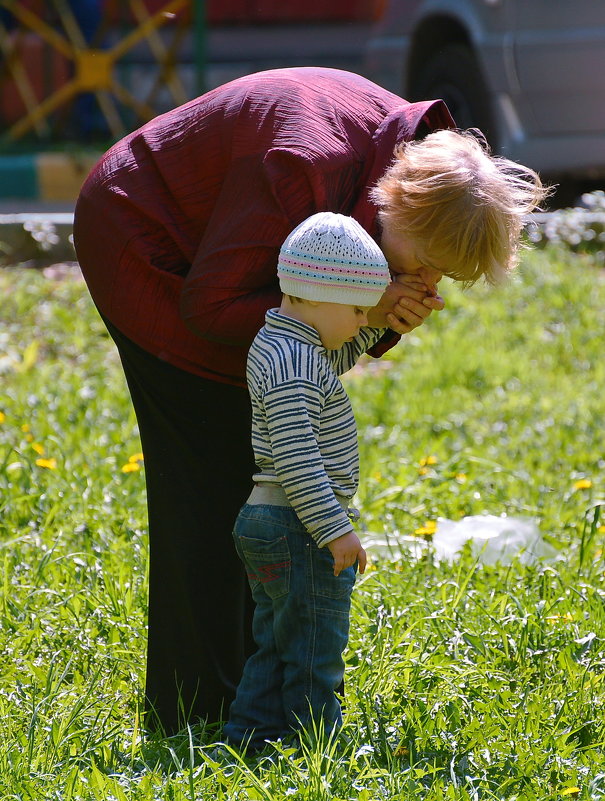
[(346, 550)]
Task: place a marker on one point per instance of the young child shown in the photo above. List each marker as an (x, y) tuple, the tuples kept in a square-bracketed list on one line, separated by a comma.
[(294, 534)]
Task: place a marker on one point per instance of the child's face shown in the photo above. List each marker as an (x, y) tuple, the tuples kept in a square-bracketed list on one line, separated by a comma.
[(337, 323)]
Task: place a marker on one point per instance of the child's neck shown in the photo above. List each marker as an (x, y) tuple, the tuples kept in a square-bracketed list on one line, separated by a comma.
[(301, 311)]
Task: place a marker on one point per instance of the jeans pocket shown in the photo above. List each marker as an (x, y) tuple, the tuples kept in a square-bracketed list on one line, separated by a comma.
[(325, 583), (267, 563)]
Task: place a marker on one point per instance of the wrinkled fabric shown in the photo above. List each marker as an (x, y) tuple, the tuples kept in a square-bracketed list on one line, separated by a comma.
[(178, 227)]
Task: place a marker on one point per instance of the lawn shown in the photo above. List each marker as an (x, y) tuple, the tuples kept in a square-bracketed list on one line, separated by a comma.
[(465, 679)]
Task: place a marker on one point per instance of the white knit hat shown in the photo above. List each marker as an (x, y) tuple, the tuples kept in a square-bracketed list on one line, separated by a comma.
[(330, 257)]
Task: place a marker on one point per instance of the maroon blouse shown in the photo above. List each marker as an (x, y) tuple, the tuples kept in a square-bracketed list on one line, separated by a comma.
[(178, 227)]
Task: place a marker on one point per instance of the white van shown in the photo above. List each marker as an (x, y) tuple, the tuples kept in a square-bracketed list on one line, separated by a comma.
[(529, 73)]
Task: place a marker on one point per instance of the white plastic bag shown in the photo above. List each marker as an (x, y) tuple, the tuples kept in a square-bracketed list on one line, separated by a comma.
[(494, 539)]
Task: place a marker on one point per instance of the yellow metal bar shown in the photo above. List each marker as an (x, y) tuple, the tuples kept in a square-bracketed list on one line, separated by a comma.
[(162, 53), (150, 24), (110, 113), (70, 24), (172, 75), (38, 26), (19, 74), (93, 67), (46, 107), (155, 41), (143, 110), (168, 74)]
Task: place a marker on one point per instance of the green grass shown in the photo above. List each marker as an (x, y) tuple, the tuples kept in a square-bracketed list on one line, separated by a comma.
[(464, 680)]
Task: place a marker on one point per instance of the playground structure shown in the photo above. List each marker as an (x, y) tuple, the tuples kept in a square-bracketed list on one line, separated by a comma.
[(80, 70)]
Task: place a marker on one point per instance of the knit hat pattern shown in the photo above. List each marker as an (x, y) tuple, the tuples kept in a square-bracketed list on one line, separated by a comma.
[(331, 258)]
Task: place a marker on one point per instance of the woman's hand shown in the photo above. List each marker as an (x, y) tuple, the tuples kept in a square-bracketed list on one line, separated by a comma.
[(405, 305)]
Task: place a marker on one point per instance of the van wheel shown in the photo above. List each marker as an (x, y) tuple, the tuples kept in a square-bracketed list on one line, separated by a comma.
[(453, 74)]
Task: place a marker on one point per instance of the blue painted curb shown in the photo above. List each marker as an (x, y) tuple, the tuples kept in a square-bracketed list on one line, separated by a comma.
[(19, 177), (53, 177)]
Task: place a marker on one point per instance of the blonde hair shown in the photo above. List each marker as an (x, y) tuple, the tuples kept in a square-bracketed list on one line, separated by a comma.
[(460, 205)]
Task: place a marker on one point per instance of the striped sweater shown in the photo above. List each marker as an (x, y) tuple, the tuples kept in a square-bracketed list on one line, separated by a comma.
[(303, 429)]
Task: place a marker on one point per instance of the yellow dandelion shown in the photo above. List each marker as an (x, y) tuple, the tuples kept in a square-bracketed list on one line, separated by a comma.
[(131, 467), (566, 618), (427, 530), (29, 357), (2, 417), (583, 483), (38, 448), (427, 460), (423, 471), (570, 791), (25, 428), (461, 477), (29, 437), (49, 464), (601, 529), (136, 457)]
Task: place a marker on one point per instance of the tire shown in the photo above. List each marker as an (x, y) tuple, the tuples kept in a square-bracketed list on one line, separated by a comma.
[(453, 74)]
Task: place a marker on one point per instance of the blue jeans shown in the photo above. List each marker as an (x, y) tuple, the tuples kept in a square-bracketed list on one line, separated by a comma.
[(300, 626)]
